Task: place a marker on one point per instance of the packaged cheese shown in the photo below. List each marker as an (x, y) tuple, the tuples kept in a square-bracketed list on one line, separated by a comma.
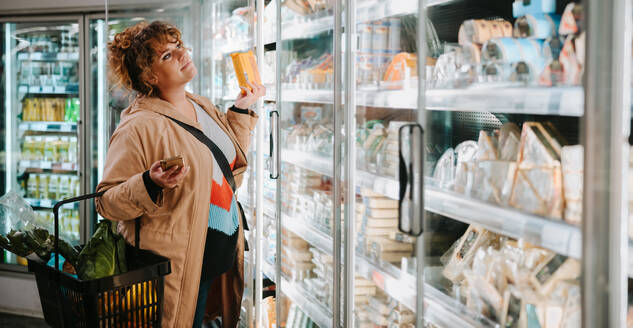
[(536, 147), (465, 169), (463, 253), (487, 147), (552, 270), (380, 203), (509, 142), (539, 191), (444, 173), (494, 180), (245, 67)]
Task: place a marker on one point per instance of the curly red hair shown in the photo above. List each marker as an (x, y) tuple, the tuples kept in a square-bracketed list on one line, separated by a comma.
[(133, 52)]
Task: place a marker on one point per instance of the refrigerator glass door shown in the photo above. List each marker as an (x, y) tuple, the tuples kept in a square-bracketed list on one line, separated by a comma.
[(41, 61), (503, 165), (307, 163), (384, 105)]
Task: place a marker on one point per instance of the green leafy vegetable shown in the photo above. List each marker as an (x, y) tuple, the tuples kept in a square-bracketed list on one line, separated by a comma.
[(103, 256)]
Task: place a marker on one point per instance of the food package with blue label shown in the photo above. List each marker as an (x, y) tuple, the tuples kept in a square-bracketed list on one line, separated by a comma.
[(523, 7), (536, 26)]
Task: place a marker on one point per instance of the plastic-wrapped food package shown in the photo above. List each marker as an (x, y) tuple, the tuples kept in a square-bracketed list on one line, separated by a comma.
[(487, 147), (509, 142), (465, 168), (553, 269), (444, 173), (445, 69), (572, 161), (494, 180), (479, 30), (539, 191), (464, 252)]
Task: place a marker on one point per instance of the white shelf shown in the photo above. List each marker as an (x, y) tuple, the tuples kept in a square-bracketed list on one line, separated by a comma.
[(72, 89), (49, 56), (559, 101), (46, 165), (48, 203), (320, 164), (49, 126), (397, 99), (231, 46), (368, 10)]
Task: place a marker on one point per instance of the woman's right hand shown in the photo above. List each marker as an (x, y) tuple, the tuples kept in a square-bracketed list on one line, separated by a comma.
[(170, 178)]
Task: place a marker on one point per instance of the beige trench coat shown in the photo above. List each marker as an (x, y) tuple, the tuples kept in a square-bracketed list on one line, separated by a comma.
[(176, 226)]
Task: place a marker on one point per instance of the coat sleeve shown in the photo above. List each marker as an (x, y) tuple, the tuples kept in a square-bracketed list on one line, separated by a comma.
[(242, 123), (126, 196)]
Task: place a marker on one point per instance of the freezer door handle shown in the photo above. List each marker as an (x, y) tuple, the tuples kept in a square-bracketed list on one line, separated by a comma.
[(274, 144), (411, 196)]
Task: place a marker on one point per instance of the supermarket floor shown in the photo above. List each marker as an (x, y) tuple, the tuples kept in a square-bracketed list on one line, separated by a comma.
[(15, 321)]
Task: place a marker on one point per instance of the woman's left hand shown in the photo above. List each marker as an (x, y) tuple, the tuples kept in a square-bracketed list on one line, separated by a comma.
[(247, 98)]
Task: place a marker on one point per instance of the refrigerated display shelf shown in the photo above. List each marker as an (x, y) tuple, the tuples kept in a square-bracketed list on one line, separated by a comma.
[(308, 161), (49, 56), (48, 203), (49, 126), (397, 99), (369, 10), (559, 101), (236, 45), (46, 165), (300, 296), (440, 307), (72, 89)]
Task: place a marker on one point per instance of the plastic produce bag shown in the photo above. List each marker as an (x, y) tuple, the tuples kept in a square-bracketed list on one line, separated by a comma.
[(16, 213)]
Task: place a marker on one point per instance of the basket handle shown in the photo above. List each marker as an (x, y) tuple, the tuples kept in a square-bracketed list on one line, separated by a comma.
[(56, 213)]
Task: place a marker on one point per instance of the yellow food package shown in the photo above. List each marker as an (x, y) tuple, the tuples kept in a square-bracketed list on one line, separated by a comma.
[(245, 68)]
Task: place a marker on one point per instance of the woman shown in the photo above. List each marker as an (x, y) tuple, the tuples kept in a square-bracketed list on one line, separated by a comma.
[(188, 214)]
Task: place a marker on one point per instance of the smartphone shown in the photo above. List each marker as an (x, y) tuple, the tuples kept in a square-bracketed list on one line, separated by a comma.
[(166, 164)]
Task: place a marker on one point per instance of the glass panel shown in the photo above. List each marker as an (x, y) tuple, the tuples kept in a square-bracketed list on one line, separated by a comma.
[(386, 100), (40, 139), (307, 154), (503, 164)]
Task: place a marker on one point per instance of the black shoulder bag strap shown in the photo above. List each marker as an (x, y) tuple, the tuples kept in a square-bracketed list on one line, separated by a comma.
[(220, 159), (215, 150)]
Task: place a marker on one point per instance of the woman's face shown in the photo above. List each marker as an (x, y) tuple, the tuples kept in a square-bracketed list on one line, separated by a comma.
[(173, 68)]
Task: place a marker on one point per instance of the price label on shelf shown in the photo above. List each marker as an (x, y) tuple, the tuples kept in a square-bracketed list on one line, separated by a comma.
[(66, 128), (46, 165), (36, 56), (68, 166), (46, 203), (59, 89), (25, 164), (38, 126), (23, 56), (34, 89), (47, 89), (62, 56)]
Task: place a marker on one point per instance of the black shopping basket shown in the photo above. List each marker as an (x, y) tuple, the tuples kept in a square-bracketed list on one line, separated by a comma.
[(131, 299)]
